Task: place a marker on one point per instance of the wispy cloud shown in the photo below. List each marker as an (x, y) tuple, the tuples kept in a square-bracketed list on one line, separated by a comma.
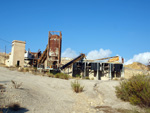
[(141, 57), (94, 54), (97, 54), (69, 53), (102, 53)]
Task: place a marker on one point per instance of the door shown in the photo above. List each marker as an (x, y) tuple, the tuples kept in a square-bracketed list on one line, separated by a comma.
[(18, 63)]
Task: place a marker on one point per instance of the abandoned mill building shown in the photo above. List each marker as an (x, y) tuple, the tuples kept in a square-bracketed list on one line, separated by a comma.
[(50, 59)]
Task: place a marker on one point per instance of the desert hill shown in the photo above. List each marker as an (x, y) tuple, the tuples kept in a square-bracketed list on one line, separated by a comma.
[(138, 66)]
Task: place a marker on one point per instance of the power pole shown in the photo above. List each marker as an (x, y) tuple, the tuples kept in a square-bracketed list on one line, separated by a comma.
[(5, 55)]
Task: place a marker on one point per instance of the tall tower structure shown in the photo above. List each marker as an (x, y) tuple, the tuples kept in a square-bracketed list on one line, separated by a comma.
[(54, 49)]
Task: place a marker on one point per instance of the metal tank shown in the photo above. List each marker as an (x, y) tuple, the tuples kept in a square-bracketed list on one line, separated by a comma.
[(54, 49)]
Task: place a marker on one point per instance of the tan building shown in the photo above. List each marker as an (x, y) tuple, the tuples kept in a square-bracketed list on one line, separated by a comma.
[(17, 54)]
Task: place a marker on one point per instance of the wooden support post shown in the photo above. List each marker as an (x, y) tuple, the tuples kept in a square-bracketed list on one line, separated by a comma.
[(110, 71), (97, 72), (85, 69), (122, 71)]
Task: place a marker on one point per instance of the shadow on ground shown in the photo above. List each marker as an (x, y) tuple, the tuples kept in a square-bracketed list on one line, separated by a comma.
[(21, 110)]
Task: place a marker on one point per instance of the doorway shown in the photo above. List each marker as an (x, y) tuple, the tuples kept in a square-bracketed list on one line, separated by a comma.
[(18, 63)]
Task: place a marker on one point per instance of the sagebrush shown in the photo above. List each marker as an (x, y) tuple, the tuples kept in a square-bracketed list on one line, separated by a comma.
[(78, 76), (136, 90), (50, 74), (76, 86), (62, 76)]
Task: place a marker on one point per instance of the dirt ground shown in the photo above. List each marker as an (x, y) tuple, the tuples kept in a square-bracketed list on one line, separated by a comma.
[(41, 94)]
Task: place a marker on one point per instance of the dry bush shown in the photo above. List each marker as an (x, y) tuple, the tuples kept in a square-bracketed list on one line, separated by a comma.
[(16, 85), (115, 78), (92, 78), (12, 68), (122, 78), (21, 69), (86, 78), (136, 90), (57, 75), (1, 86), (50, 74), (14, 107), (78, 76), (26, 69), (76, 86), (62, 76)]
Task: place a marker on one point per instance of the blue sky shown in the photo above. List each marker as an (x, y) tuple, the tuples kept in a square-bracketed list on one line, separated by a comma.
[(121, 26)]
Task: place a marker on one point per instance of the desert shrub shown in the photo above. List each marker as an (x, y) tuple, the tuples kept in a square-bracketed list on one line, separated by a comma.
[(26, 69), (115, 78), (92, 78), (57, 75), (16, 65), (122, 78), (87, 78), (136, 90), (21, 69), (16, 85), (78, 76), (14, 107), (76, 86), (62, 76), (65, 76), (12, 68), (1, 86), (33, 69), (50, 74)]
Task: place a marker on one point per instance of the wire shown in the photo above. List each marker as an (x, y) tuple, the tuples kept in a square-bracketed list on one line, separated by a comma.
[(5, 40)]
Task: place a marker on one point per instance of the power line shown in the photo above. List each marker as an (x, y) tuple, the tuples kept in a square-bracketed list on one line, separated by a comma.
[(5, 40), (8, 42)]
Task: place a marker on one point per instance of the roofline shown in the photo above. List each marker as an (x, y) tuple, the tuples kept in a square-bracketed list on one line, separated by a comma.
[(18, 41)]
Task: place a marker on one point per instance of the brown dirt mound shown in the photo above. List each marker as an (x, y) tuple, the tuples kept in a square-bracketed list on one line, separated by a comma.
[(137, 65)]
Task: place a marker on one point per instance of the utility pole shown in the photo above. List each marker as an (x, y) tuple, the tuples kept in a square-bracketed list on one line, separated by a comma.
[(5, 55)]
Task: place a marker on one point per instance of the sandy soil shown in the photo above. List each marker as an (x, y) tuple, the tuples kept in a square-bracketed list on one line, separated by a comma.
[(39, 94)]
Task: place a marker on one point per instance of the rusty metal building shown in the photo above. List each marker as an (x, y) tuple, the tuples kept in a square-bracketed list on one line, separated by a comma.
[(51, 57)]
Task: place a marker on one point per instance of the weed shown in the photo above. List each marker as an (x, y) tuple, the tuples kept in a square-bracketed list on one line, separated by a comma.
[(62, 76), (78, 76), (57, 75), (92, 78), (21, 69), (49, 74), (122, 78), (136, 90), (66, 76), (16, 85), (76, 86), (116, 78), (1, 86), (87, 78), (26, 69)]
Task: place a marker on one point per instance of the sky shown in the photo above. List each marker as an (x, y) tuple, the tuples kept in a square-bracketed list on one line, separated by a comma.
[(98, 28)]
